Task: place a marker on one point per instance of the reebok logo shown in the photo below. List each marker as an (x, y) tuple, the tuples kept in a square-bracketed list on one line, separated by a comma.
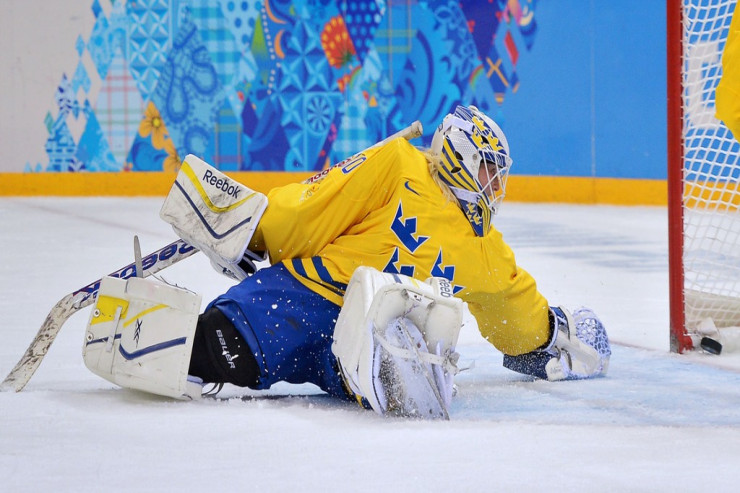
[(221, 184), (225, 350), (445, 288)]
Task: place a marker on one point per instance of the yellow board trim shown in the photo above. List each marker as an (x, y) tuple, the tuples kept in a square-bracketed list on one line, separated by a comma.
[(723, 195), (125, 184), (586, 190), (204, 195), (520, 188)]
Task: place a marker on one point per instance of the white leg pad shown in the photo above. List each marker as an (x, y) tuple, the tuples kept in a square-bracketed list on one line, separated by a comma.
[(397, 317), (140, 336)]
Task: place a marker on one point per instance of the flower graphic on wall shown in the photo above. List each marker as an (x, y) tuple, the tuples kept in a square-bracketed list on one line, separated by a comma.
[(153, 149), (153, 125), (172, 162), (336, 43)]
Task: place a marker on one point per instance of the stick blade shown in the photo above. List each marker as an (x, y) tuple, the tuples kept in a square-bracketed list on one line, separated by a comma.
[(20, 375), (137, 257)]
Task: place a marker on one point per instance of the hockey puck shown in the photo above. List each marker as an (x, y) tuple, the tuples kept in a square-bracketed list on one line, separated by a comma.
[(711, 345)]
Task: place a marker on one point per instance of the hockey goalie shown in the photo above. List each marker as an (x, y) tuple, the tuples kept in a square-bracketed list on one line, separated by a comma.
[(365, 278)]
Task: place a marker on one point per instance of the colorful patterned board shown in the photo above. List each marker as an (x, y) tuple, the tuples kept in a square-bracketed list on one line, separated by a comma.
[(275, 84)]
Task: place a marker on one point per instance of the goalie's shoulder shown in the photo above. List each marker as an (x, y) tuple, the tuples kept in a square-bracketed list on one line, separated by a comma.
[(405, 148), (376, 166), (398, 157)]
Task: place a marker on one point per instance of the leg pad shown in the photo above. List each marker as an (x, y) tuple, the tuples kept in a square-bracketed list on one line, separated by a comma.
[(140, 336)]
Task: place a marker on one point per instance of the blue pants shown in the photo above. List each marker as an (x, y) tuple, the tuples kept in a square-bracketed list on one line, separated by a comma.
[(288, 328)]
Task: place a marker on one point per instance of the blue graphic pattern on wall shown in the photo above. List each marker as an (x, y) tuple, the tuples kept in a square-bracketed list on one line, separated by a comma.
[(275, 84)]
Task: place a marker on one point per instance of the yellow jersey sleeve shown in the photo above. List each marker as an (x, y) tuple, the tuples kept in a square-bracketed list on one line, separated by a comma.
[(727, 95)]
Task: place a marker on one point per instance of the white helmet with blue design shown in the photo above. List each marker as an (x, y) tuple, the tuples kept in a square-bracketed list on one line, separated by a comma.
[(475, 163)]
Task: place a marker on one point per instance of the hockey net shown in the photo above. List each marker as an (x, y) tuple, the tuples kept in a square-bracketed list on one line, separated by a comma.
[(703, 176)]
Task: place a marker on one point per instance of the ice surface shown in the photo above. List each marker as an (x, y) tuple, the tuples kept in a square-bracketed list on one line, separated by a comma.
[(657, 422)]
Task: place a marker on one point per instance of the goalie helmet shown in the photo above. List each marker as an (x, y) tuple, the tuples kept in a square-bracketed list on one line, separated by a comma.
[(475, 162)]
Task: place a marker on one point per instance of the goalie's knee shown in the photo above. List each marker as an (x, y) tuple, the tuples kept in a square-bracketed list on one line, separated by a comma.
[(140, 336), (395, 341), (220, 354)]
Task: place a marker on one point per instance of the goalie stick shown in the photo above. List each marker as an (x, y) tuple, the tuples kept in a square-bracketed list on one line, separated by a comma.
[(411, 132), (178, 250), (77, 300)]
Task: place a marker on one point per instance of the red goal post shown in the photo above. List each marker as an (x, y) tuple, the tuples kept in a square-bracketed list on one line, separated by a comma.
[(703, 174)]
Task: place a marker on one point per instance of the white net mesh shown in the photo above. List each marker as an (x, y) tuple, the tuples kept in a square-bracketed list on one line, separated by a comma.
[(711, 172)]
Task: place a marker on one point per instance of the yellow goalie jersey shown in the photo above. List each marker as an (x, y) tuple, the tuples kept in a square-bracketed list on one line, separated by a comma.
[(727, 96), (383, 209)]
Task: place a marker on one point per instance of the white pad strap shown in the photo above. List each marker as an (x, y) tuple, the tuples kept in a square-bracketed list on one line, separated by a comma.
[(140, 336), (216, 214), (431, 358)]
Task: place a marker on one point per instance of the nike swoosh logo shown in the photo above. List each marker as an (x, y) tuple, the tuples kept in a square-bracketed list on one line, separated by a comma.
[(408, 187)]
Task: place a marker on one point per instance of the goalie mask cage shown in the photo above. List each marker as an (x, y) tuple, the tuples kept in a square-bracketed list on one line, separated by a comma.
[(703, 174)]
